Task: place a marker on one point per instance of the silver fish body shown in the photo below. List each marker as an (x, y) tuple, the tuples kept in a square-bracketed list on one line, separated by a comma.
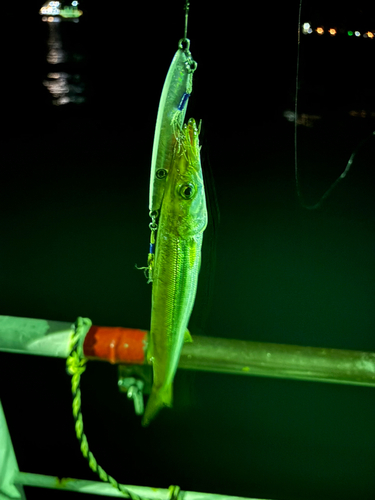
[(183, 218)]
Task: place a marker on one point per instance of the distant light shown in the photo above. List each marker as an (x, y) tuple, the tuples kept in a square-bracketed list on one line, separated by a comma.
[(332, 31), (357, 33), (350, 33), (369, 34), (74, 4), (306, 28), (320, 31), (289, 115), (51, 9)]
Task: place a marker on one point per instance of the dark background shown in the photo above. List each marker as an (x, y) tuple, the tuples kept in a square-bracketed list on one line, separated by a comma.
[(74, 221)]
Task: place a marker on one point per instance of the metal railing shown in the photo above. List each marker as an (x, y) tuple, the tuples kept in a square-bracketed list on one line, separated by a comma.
[(52, 338)]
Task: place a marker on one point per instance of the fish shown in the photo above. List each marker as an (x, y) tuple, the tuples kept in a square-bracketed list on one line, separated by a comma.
[(183, 219)]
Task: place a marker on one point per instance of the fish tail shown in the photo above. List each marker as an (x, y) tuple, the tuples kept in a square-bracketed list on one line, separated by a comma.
[(159, 398)]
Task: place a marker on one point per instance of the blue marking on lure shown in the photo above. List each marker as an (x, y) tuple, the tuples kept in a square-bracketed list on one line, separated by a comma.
[(152, 248), (183, 101)]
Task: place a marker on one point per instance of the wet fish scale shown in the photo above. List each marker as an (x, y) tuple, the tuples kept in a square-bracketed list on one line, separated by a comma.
[(182, 221)]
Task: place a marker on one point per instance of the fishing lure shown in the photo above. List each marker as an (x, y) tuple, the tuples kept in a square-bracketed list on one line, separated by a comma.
[(178, 212), (173, 103)]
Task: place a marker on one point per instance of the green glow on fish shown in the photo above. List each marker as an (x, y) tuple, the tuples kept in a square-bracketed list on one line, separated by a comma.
[(183, 219)]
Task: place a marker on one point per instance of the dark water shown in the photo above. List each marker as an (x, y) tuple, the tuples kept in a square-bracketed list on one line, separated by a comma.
[(80, 103)]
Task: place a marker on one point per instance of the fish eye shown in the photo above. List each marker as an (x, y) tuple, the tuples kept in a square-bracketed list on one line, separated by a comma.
[(187, 191), (161, 173)]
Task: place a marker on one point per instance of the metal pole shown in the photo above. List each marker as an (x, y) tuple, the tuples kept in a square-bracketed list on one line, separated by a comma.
[(8, 464), (51, 338), (35, 336), (97, 488), (278, 360)]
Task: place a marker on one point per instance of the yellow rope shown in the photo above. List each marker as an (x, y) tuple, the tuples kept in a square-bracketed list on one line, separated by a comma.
[(76, 365)]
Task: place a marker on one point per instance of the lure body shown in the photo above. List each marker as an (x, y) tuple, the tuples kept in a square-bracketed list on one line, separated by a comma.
[(171, 114), (183, 219)]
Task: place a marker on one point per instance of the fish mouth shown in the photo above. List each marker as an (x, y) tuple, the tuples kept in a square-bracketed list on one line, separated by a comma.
[(193, 130), (189, 143)]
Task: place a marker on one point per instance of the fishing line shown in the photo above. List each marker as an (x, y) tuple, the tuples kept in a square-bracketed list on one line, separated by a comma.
[(186, 9), (296, 172), (76, 361), (206, 287)]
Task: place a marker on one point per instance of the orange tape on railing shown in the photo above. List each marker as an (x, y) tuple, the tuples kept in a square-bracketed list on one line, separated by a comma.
[(116, 344)]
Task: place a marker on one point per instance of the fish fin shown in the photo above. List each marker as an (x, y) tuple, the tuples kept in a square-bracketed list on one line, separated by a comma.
[(159, 398), (187, 337)]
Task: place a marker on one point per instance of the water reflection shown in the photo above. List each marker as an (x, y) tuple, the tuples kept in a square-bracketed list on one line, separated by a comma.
[(302, 119), (55, 54), (64, 88), (309, 120), (63, 81)]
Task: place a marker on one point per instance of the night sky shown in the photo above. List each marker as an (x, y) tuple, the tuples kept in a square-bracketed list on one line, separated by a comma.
[(74, 222)]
